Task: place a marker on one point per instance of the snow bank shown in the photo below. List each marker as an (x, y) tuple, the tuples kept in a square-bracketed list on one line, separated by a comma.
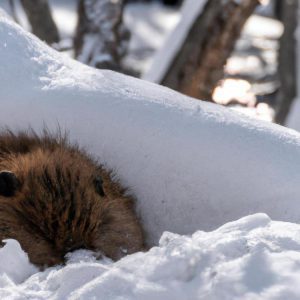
[(191, 165), (252, 258)]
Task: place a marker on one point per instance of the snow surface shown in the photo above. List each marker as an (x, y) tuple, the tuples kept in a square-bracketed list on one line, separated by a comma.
[(252, 258), (191, 165), (14, 263)]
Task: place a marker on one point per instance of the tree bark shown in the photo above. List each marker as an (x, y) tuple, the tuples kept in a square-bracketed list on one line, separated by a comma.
[(287, 67), (41, 21), (199, 63), (101, 39)]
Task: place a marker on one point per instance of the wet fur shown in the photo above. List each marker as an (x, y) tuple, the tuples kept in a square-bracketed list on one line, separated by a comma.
[(57, 208)]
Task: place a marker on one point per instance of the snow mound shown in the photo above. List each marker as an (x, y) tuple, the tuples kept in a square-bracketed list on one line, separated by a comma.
[(15, 265), (191, 165), (252, 258)]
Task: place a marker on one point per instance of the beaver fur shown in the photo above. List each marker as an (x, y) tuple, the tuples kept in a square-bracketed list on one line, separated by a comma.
[(54, 198)]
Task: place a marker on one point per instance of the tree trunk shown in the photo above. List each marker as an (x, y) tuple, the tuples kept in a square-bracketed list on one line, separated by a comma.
[(287, 67), (41, 21), (101, 40), (199, 63)]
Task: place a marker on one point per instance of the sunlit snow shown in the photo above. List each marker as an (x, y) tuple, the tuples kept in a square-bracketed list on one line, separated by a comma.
[(191, 166)]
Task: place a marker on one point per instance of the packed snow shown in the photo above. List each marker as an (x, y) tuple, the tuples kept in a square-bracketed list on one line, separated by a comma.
[(191, 166), (15, 265)]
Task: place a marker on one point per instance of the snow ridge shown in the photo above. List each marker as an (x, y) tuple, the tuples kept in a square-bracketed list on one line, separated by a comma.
[(252, 258)]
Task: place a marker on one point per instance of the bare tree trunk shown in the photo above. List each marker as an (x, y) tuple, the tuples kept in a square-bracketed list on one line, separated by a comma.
[(287, 68), (199, 63), (41, 21), (101, 39)]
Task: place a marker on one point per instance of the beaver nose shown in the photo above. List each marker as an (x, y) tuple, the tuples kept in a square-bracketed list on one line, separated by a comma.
[(9, 184)]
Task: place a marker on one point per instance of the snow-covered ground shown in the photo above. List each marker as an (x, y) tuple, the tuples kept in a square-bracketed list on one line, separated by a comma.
[(250, 259), (191, 165)]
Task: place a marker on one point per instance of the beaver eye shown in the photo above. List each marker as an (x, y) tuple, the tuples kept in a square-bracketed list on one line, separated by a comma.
[(98, 182), (9, 184)]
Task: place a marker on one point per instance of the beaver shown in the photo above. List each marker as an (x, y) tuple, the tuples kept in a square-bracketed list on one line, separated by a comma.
[(55, 198)]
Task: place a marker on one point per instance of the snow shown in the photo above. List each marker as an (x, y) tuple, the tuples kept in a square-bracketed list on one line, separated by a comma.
[(173, 153), (15, 265), (252, 258), (149, 24), (259, 26), (191, 166)]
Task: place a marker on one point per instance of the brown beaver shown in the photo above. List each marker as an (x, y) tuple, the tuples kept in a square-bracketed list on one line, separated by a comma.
[(54, 198)]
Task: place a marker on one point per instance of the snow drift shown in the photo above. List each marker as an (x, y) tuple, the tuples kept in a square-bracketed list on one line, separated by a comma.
[(191, 165), (252, 258)]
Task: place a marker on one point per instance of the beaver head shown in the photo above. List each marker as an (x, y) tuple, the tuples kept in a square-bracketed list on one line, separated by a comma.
[(54, 199)]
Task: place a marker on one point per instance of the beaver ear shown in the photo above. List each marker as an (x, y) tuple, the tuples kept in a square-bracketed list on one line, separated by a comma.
[(9, 184), (98, 183)]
